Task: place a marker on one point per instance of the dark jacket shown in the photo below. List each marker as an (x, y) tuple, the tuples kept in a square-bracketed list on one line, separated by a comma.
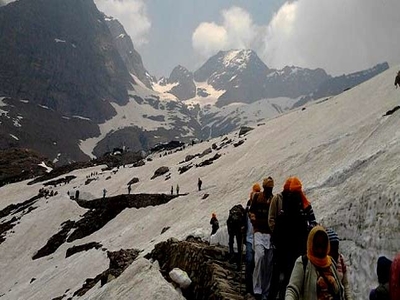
[(259, 210), (215, 225), (397, 80)]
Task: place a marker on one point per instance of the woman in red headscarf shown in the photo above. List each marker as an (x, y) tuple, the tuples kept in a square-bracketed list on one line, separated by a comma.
[(314, 277)]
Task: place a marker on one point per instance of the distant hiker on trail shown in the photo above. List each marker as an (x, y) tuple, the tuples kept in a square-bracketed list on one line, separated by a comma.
[(214, 222), (77, 194), (394, 283), (199, 183), (397, 80), (236, 228), (249, 242), (172, 189), (314, 275), (381, 292), (339, 262), (104, 193), (290, 219), (129, 189), (177, 189), (262, 243)]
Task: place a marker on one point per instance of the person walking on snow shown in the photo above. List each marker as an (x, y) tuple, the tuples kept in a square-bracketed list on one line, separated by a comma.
[(262, 243), (381, 292), (314, 275), (339, 260), (290, 219), (397, 80), (104, 193), (177, 189), (172, 189), (214, 223), (199, 183), (249, 242)]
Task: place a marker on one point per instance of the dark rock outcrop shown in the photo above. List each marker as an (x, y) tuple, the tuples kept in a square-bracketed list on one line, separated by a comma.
[(21, 164), (213, 277), (160, 171), (55, 241), (83, 247), (392, 111), (243, 130), (209, 161), (119, 261), (100, 212), (133, 181), (167, 146), (14, 209)]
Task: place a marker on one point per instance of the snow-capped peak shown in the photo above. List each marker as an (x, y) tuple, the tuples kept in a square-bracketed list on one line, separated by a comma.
[(238, 58)]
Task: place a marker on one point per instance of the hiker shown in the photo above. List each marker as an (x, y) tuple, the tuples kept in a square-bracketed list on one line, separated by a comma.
[(381, 292), (172, 189), (214, 222), (236, 228), (394, 282), (177, 189), (263, 250), (104, 193), (314, 275), (290, 219), (77, 194), (339, 262), (397, 80), (199, 183), (249, 242), (129, 189)]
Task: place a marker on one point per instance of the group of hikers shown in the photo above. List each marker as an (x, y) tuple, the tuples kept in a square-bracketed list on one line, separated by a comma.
[(288, 254)]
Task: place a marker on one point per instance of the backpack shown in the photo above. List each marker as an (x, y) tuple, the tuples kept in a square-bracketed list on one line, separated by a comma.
[(291, 222), (236, 219)]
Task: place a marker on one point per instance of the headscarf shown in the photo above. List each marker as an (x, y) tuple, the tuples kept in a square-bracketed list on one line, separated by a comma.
[(255, 189), (316, 261), (383, 269), (293, 184), (332, 235), (268, 182), (394, 284)]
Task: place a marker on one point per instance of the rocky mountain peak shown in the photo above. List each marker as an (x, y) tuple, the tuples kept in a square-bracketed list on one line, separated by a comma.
[(129, 55), (179, 74), (61, 54), (185, 89)]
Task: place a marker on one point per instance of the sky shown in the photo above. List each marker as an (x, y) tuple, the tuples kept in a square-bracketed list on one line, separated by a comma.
[(346, 167), (340, 36)]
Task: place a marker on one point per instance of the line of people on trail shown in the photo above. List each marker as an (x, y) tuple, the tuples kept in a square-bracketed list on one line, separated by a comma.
[(288, 255)]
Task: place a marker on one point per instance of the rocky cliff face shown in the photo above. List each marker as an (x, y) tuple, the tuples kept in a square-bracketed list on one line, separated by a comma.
[(61, 54), (185, 89), (129, 55)]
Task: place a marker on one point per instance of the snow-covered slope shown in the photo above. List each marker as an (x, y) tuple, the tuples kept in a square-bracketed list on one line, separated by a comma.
[(344, 150)]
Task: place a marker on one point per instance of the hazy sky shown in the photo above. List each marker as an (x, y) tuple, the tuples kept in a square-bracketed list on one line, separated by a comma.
[(340, 36)]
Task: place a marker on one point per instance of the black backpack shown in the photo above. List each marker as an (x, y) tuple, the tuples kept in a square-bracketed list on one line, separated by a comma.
[(236, 219), (291, 221)]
